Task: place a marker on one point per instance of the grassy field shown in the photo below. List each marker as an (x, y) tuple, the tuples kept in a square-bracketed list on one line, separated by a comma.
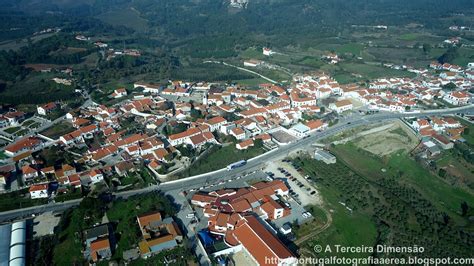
[(353, 48), (469, 137), (250, 82), (393, 200), (129, 18), (36, 88), (125, 212), (349, 228), (122, 213), (457, 166), (21, 200), (58, 130), (373, 71), (12, 130), (219, 157), (443, 195), (408, 36)]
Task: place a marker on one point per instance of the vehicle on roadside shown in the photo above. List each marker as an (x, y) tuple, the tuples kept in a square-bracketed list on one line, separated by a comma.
[(232, 166)]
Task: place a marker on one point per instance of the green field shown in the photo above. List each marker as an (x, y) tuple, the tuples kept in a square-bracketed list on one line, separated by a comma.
[(12, 130), (408, 36), (36, 88), (219, 157), (129, 18), (58, 130), (445, 196), (125, 213), (469, 137), (348, 228), (394, 200), (22, 200), (353, 48), (122, 214), (374, 71)]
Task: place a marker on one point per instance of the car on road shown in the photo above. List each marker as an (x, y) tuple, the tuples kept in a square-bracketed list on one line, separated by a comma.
[(313, 192)]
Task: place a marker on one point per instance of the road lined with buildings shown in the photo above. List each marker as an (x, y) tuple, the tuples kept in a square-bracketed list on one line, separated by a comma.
[(203, 180)]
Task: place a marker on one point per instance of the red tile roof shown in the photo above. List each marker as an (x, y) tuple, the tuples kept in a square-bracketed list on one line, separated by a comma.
[(260, 243), (38, 187)]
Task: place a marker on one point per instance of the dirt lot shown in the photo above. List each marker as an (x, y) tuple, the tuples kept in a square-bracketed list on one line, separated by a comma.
[(387, 139)]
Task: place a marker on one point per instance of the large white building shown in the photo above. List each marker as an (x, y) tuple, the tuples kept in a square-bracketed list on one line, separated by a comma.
[(341, 106)]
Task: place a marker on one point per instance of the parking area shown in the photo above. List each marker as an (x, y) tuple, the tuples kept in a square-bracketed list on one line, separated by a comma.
[(297, 214), (301, 188), (45, 223)]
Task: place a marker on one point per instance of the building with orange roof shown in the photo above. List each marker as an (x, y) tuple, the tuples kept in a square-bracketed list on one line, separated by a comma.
[(215, 123), (21, 146), (158, 234), (38, 191), (264, 247), (317, 124), (238, 133), (341, 106), (245, 144), (46, 108), (457, 98), (100, 249), (181, 138)]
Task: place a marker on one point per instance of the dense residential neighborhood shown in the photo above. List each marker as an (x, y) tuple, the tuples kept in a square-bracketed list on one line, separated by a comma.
[(236, 132)]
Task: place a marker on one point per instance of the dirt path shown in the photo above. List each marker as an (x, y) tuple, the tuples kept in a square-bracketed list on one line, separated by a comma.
[(318, 231)]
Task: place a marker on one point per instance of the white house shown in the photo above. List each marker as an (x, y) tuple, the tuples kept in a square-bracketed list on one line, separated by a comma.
[(46, 109), (96, 176), (457, 98), (267, 51), (39, 191), (29, 172), (238, 133), (299, 130), (151, 88), (119, 93), (215, 123), (252, 63), (341, 106)]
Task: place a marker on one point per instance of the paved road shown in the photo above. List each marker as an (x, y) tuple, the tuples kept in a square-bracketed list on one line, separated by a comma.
[(244, 69), (202, 180)]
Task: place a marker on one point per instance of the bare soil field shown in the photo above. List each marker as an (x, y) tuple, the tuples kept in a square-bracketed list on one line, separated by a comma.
[(387, 139)]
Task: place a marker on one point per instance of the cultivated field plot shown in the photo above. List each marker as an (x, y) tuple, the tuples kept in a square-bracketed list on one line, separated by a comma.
[(387, 140)]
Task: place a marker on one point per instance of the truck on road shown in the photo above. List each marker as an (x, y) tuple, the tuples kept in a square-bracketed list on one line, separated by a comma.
[(236, 165)]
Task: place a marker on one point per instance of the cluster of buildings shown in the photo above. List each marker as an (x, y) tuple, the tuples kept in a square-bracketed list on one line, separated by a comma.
[(240, 219), (10, 119), (143, 125), (438, 133), (157, 234), (450, 84)]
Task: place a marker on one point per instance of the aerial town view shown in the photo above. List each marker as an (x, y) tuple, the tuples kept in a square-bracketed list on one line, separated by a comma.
[(236, 132)]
